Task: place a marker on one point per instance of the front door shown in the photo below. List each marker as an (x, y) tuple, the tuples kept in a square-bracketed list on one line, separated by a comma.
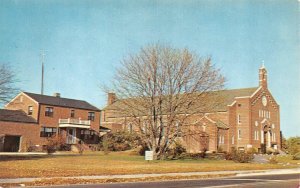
[(71, 135)]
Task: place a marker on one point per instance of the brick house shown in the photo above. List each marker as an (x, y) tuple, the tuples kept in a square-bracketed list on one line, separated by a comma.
[(247, 118), (46, 116)]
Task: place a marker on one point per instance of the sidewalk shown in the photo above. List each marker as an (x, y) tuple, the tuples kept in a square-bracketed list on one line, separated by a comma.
[(238, 173)]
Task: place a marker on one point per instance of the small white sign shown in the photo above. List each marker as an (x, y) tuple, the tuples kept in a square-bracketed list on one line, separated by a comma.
[(148, 155)]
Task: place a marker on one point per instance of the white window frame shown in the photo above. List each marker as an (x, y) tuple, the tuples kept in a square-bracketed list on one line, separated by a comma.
[(232, 140)]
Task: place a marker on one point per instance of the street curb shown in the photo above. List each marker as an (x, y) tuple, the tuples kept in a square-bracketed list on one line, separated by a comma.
[(130, 176)]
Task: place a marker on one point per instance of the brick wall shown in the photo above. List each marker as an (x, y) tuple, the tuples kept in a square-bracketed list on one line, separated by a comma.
[(22, 102), (65, 113), (29, 132)]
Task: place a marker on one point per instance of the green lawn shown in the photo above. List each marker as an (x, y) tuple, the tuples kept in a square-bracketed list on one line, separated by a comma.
[(96, 163)]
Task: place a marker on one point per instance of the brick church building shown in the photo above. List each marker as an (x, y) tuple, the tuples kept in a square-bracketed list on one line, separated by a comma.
[(248, 118)]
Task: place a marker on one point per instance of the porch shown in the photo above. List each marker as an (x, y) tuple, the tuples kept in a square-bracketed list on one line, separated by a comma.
[(77, 131)]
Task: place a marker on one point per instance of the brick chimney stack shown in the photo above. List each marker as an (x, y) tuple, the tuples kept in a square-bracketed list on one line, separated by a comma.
[(111, 98), (56, 94)]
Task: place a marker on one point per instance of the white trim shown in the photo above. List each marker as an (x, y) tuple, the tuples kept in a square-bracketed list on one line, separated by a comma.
[(243, 97), (23, 99), (212, 121), (207, 113), (258, 89), (74, 126), (232, 103), (264, 120)]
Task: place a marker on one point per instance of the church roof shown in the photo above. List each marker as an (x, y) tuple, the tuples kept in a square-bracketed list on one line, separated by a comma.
[(63, 102), (15, 116), (228, 97)]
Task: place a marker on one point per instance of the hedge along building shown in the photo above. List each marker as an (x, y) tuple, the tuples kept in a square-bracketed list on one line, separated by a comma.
[(246, 118), (30, 119)]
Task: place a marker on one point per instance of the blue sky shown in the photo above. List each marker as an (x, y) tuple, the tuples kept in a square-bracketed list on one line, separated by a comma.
[(85, 40)]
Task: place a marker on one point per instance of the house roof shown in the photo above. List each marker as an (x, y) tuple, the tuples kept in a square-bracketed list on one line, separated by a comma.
[(221, 125), (15, 116), (228, 97), (63, 102)]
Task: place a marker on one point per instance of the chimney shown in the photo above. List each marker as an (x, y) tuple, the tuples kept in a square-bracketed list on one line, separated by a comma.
[(56, 94), (111, 98)]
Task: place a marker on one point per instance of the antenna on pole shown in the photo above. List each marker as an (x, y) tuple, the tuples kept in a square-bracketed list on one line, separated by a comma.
[(42, 61)]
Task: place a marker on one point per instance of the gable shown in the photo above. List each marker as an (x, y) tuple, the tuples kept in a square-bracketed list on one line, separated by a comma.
[(257, 97)]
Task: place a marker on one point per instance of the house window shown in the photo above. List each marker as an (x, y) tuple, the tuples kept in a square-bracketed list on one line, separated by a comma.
[(129, 128), (221, 139), (91, 116), (273, 126), (232, 140), (72, 113), (260, 113), (256, 123), (30, 110), (49, 111), (256, 135), (239, 134), (239, 119), (48, 131)]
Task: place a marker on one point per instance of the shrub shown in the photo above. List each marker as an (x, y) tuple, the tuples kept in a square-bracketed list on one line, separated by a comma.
[(143, 149), (175, 151), (53, 144), (64, 147), (270, 151), (239, 156), (252, 150), (119, 141), (190, 156), (293, 145), (34, 148), (296, 156), (243, 157), (203, 153)]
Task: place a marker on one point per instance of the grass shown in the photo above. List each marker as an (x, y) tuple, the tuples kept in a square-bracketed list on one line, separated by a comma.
[(97, 163)]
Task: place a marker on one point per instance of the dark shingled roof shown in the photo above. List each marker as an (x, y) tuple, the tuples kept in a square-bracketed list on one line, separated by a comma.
[(63, 102), (228, 97), (15, 116)]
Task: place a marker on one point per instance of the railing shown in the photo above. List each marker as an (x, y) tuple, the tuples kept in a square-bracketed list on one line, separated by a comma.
[(74, 121)]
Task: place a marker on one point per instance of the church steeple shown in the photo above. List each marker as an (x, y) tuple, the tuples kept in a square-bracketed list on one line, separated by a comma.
[(263, 76)]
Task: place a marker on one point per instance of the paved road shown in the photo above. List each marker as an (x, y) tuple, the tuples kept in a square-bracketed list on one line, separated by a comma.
[(261, 181)]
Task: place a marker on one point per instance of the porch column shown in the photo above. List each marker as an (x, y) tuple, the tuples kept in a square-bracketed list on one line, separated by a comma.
[(269, 139), (262, 137)]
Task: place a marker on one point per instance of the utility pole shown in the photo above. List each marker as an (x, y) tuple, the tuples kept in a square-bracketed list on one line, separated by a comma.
[(42, 61)]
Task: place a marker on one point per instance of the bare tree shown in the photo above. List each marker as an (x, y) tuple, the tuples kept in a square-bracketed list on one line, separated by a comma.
[(7, 81), (160, 89)]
